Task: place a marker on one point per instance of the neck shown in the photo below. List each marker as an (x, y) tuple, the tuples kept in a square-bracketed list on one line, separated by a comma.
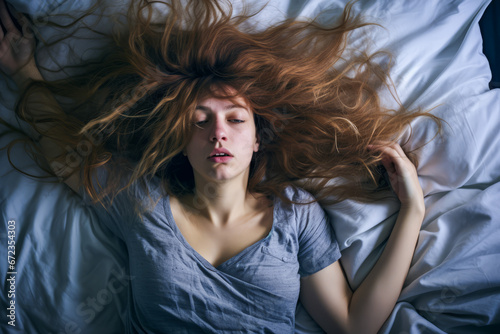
[(222, 203)]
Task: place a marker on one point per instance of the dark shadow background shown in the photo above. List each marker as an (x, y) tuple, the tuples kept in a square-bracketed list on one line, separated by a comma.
[(490, 29)]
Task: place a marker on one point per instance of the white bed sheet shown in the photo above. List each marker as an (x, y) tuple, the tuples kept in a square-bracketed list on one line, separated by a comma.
[(66, 260)]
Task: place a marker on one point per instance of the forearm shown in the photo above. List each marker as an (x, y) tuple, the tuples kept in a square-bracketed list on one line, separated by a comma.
[(374, 300)]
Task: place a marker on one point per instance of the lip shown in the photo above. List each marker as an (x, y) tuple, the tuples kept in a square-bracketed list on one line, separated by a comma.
[(220, 150), (220, 159)]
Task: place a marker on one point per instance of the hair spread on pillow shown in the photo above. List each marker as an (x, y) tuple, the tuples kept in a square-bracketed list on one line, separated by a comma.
[(316, 108)]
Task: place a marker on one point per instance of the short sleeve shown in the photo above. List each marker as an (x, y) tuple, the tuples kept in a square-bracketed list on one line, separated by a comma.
[(318, 247)]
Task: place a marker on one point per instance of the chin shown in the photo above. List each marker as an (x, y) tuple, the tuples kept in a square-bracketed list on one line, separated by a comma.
[(224, 176)]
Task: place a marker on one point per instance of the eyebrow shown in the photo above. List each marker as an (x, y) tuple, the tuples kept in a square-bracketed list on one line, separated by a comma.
[(228, 107)]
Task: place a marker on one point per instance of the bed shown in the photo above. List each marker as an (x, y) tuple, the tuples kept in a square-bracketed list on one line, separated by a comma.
[(70, 275)]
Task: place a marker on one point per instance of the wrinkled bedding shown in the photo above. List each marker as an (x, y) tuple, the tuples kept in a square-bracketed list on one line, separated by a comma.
[(71, 273)]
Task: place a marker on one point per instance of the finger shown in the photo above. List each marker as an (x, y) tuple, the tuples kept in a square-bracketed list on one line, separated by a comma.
[(394, 162), (25, 24), (399, 149), (389, 165), (5, 17), (384, 148), (386, 157), (389, 155), (396, 149)]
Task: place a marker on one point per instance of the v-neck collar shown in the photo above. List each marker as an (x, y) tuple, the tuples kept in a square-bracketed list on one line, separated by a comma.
[(205, 262)]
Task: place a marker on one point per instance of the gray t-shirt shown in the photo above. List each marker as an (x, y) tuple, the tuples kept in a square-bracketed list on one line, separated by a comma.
[(176, 290)]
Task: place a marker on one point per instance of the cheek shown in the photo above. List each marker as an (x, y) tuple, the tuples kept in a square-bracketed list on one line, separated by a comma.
[(192, 146), (244, 136)]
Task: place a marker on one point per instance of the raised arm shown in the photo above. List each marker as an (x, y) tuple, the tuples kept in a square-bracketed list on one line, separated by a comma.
[(327, 295), (17, 62)]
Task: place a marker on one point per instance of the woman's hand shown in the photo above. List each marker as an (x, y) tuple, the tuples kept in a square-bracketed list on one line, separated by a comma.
[(17, 45), (402, 175)]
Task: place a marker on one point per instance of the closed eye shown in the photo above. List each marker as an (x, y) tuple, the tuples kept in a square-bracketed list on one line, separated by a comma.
[(236, 121), (200, 122)]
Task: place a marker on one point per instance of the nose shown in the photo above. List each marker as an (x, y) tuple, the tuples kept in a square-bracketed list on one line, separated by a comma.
[(218, 131)]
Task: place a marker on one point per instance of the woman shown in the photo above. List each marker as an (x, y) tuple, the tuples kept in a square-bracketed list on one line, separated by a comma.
[(219, 126)]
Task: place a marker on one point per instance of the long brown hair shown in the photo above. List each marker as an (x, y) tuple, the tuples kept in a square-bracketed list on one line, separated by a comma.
[(315, 110)]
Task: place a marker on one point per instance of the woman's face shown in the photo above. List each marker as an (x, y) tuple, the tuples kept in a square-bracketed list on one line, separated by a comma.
[(227, 127)]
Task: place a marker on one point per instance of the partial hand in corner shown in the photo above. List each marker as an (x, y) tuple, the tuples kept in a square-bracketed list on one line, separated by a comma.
[(17, 45)]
